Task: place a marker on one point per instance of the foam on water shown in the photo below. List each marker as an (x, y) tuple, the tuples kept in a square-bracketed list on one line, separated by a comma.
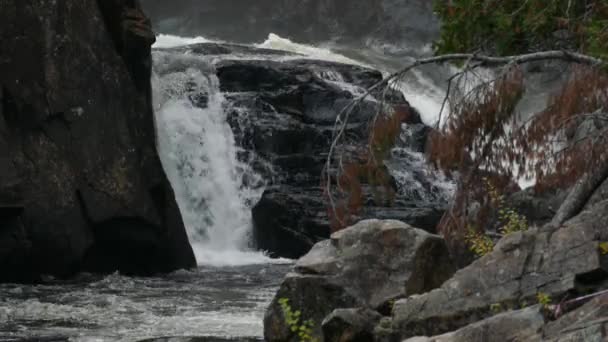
[(227, 302), (169, 41), (275, 42)]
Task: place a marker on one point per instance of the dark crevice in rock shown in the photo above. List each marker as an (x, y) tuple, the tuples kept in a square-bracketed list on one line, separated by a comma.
[(129, 245)]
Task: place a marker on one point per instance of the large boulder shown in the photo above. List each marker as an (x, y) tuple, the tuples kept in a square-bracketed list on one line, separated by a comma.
[(81, 185), (368, 265), (555, 262)]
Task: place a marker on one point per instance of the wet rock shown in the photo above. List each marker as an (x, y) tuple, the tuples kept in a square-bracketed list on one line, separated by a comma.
[(554, 262), (81, 185), (367, 265), (289, 221), (350, 325)]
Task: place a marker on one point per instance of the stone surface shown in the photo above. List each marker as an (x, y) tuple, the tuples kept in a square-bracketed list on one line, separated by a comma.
[(367, 265), (81, 185), (350, 325), (537, 208), (586, 323), (554, 262), (515, 326)]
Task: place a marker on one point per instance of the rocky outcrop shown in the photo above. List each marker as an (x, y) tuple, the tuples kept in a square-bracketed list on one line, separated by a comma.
[(304, 21), (368, 265), (81, 185), (587, 323), (493, 299), (557, 263)]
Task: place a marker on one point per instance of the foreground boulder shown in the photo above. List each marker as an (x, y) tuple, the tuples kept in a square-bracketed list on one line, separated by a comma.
[(554, 262), (81, 185), (368, 265)]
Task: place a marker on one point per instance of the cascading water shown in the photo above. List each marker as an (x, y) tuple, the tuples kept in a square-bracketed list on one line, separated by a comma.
[(198, 150)]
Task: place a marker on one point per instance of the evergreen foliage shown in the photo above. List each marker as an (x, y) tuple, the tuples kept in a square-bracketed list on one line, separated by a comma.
[(514, 27)]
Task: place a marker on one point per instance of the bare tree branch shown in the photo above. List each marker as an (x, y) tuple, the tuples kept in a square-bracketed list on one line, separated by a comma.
[(343, 117)]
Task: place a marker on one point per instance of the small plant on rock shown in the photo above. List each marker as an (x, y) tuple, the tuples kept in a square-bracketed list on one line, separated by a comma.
[(296, 324), (510, 219), (496, 307), (543, 299), (603, 247), (479, 243)]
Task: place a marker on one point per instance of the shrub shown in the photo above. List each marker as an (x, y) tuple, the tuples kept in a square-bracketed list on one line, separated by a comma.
[(479, 243), (512, 27), (543, 299)]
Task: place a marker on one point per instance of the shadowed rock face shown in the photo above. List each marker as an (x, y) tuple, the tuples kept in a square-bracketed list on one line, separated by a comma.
[(310, 21), (81, 185)]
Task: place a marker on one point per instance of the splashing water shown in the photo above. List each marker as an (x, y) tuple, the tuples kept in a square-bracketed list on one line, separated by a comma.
[(199, 153), (169, 41)]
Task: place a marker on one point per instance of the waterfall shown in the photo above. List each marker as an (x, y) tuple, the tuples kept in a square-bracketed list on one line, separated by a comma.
[(199, 154)]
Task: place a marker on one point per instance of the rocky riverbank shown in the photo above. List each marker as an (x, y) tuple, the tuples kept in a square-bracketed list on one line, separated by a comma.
[(537, 285)]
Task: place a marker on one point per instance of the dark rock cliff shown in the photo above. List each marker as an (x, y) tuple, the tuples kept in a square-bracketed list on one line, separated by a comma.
[(81, 185)]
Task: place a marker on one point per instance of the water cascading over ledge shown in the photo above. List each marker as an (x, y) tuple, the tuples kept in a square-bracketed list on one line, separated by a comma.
[(245, 130), (200, 156)]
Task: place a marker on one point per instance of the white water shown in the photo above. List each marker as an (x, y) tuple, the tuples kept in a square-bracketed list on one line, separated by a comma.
[(420, 91), (275, 42), (169, 41), (199, 154), (210, 301)]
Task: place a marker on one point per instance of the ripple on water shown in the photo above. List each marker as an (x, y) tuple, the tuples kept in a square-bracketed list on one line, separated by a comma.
[(224, 303)]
